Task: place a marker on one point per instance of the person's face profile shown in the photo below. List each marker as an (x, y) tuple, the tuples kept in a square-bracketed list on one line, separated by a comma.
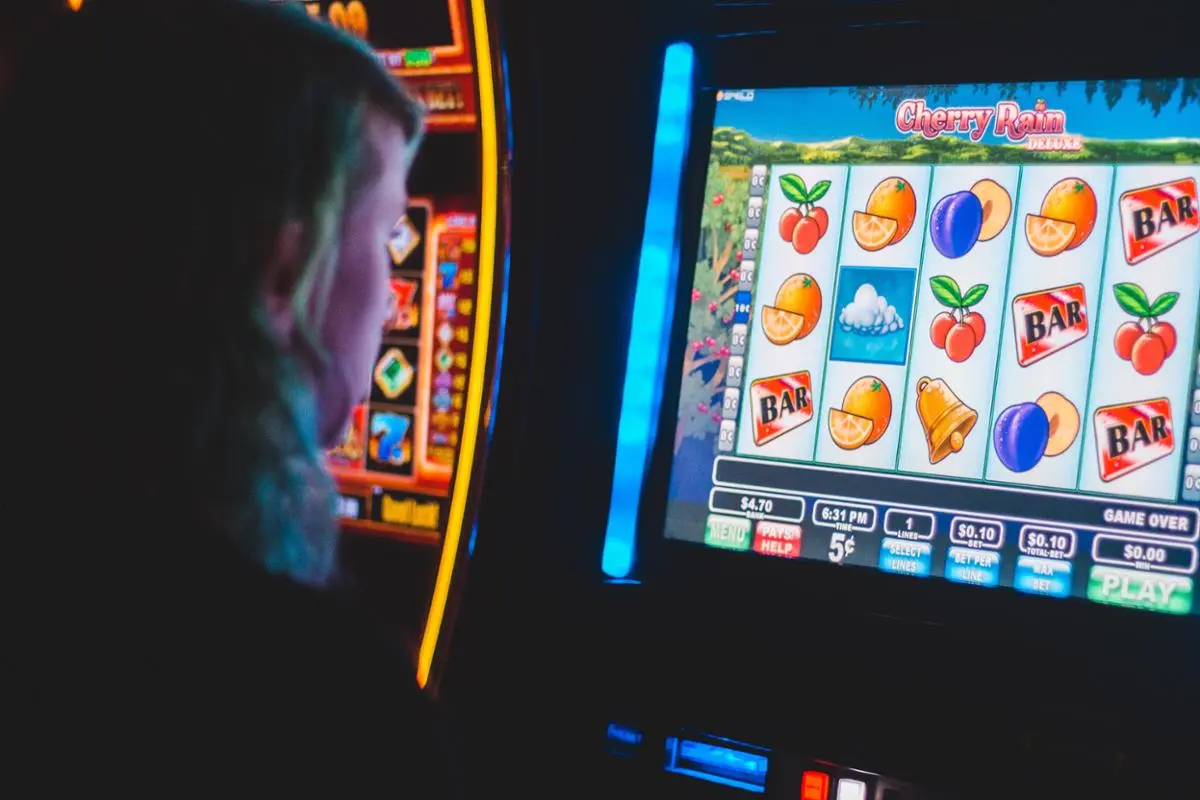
[(360, 299)]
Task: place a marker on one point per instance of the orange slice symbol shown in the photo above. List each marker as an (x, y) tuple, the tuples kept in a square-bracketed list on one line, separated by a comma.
[(873, 232), (781, 327), (849, 431), (1048, 237)]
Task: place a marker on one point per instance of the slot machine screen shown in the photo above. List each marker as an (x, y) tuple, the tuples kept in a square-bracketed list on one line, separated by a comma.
[(396, 461), (950, 332), (394, 29), (396, 464)]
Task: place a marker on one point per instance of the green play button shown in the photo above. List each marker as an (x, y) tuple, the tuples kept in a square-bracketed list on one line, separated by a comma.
[(1150, 591)]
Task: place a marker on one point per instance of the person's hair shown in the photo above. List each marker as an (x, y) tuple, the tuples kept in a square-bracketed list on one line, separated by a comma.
[(151, 153)]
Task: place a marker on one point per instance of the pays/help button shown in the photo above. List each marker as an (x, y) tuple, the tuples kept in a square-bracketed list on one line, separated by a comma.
[(779, 539)]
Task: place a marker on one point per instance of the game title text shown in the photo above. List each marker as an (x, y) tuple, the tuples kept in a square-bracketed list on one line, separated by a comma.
[(1040, 128)]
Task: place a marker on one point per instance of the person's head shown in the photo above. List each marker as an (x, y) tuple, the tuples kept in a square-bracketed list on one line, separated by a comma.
[(201, 193)]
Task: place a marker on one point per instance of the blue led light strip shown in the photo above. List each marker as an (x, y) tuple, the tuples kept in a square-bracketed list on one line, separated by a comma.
[(495, 399), (652, 307)]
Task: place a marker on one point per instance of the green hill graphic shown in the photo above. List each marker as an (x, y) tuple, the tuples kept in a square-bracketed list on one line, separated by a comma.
[(733, 147)]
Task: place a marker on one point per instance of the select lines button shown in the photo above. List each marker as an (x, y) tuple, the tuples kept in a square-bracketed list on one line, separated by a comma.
[(906, 557), (1149, 591)]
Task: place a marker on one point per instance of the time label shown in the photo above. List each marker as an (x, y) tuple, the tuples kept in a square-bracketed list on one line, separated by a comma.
[(844, 516)]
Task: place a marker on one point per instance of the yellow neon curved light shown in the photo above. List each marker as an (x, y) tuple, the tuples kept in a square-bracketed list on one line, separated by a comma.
[(472, 424)]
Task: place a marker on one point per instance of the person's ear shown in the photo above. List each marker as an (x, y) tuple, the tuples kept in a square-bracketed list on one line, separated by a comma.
[(282, 275)]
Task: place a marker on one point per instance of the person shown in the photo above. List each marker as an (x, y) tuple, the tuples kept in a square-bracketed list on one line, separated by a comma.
[(199, 194)]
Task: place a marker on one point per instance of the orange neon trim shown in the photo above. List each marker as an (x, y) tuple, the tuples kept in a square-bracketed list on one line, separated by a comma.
[(480, 345), (353, 478), (436, 120), (449, 69), (458, 35), (425, 375), (425, 368)]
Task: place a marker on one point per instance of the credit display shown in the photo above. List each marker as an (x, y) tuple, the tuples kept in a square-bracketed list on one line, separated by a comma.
[(951, 331)]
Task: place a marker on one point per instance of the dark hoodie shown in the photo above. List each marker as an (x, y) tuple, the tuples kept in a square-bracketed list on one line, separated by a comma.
[(197, 670)]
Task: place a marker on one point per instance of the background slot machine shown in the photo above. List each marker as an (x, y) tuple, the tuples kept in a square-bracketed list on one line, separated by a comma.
[(408, 465), (883, 472)]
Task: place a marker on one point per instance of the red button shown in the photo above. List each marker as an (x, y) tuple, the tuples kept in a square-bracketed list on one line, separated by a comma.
[(779, 539), (814, 786)]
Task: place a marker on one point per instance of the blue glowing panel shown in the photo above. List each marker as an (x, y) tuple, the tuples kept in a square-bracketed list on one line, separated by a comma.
[(652, 307), (740, 767)]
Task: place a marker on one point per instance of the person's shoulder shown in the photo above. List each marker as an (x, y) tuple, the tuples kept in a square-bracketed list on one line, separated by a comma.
[(206, 666), (325, 634), (402, 732)]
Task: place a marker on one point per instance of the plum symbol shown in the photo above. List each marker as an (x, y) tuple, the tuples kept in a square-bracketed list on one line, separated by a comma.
[(962, 219), (1020, 436), (955, 224), (1026, 433)]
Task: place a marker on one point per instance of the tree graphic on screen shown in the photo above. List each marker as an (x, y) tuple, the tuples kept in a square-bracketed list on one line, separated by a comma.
[(722, 226), (1172, 96), (1157, 93)]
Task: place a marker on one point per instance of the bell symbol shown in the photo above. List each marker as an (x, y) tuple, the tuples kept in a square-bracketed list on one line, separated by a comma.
[(946, 419)]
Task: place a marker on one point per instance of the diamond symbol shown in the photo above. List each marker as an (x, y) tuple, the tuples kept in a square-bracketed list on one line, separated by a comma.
[(404, 239), (445, 333), (393, 374), (445, 360)]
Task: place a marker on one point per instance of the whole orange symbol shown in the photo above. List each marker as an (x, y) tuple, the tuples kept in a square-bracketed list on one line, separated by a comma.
[(1073, 201), (869, 398), (1066, 219), (795, 312), (894, 198)]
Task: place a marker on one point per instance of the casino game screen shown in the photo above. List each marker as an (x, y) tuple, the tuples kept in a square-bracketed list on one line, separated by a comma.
[(951, 332), (395, 465)]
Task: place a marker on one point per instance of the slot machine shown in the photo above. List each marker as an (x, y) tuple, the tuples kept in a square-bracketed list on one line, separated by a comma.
[(896, 496), (409, 465)]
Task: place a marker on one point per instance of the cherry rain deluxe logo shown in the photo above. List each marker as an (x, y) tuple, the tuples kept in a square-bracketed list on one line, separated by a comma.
[(1041, 128)]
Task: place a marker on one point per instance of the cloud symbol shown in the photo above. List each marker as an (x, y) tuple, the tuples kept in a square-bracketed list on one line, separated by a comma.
[(869, 314)]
